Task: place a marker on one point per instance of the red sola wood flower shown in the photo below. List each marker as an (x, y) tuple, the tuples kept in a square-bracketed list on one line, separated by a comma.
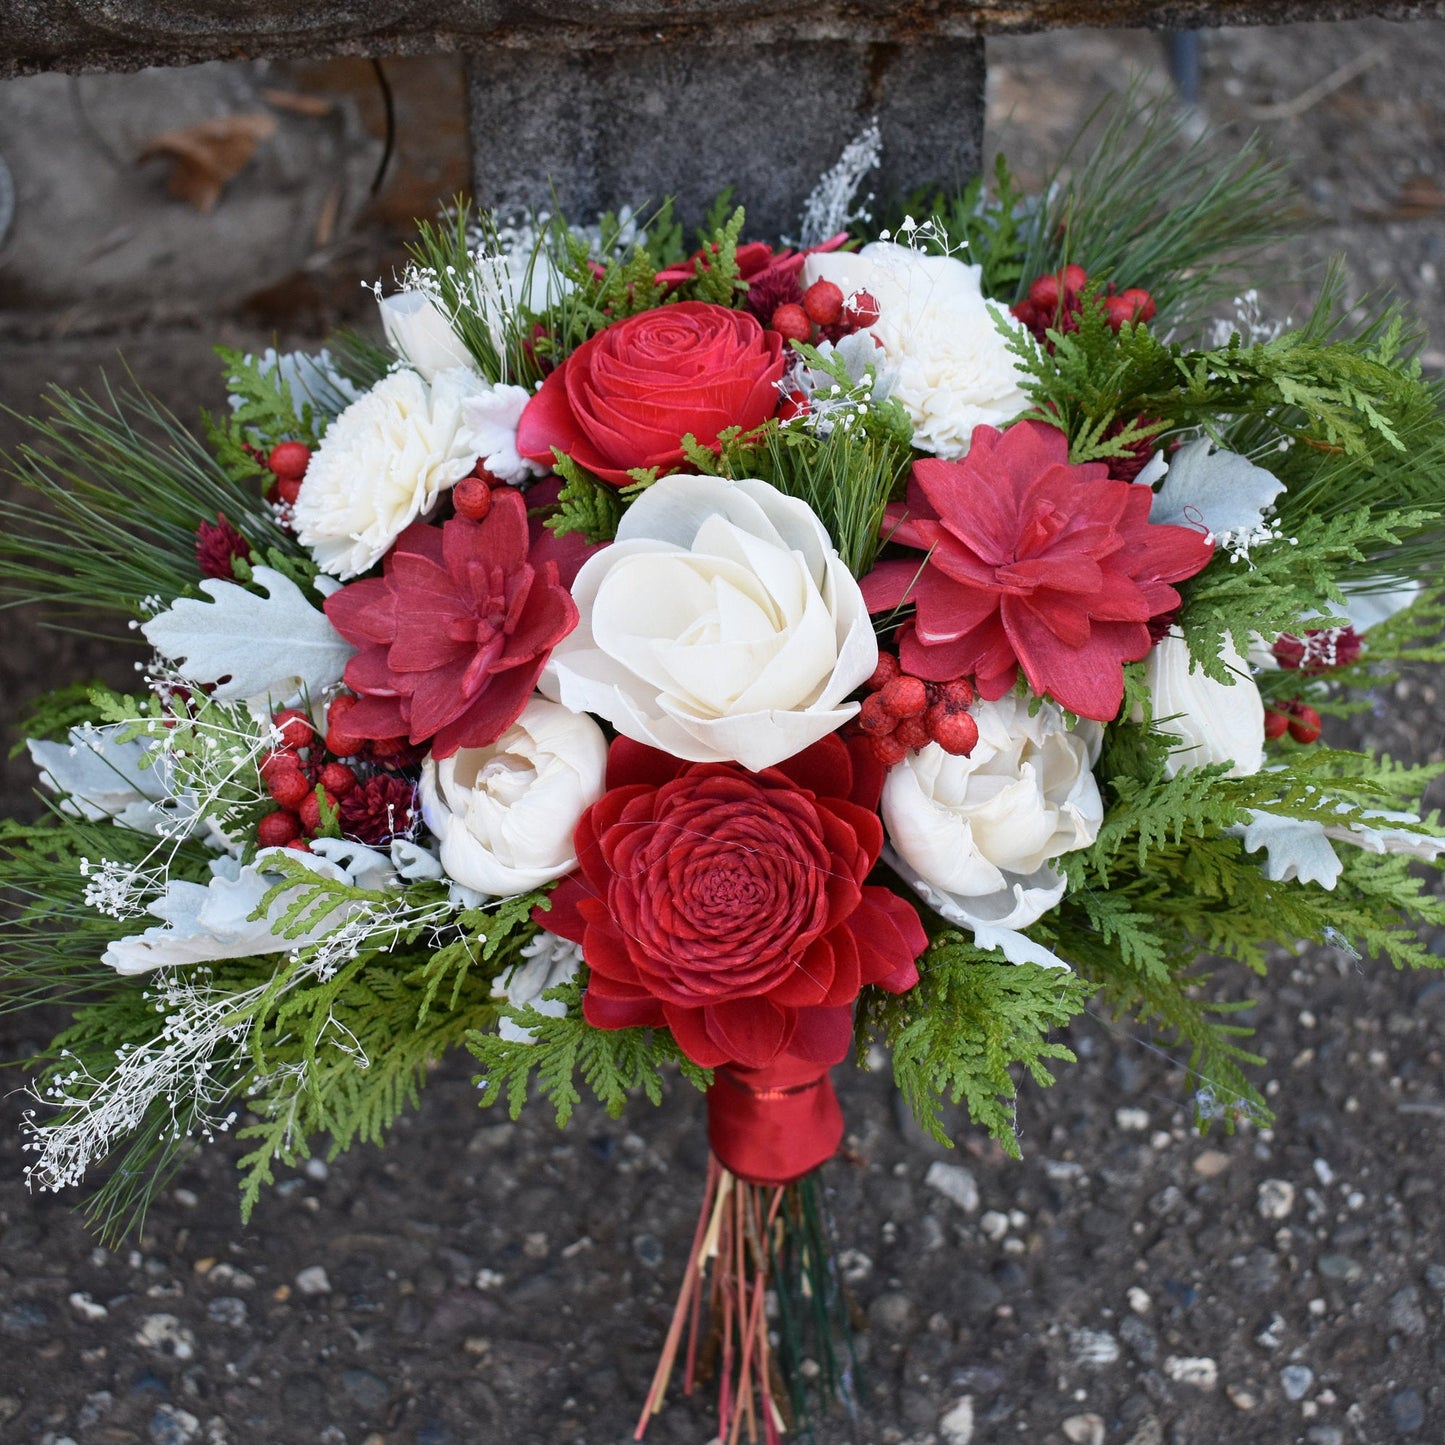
[(730, 906), (454, 634), (1031, 563)]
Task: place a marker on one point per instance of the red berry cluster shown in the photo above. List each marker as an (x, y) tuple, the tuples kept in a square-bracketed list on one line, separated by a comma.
[(1055, 303), (300, 778), (287, 462), (472, 496), (903, 713), (823, 315), (1296, 718)]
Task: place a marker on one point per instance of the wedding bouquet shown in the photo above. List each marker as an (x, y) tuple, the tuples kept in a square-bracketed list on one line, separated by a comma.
[(706, 663)]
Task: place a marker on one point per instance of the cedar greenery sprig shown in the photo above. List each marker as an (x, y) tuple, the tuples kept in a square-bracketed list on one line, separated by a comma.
[(613, 1063)]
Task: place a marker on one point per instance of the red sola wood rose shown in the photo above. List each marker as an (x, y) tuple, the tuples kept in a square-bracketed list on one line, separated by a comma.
[(627, 397), (1031, 563), (454, 634), (730, 906)]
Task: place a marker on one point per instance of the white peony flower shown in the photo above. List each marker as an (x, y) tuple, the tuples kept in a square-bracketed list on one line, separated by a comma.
[(720, 625), (975, 836), (954, 371), (504, 815), (1216, 722), (383, 463), (550, 962), (492, 416), (421, 335)]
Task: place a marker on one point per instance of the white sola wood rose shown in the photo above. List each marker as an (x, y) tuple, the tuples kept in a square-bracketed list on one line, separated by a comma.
[(421, 335), (382, 463), (721, 625), (505, 814), (1215, 722), (975, 836), (951, 367)]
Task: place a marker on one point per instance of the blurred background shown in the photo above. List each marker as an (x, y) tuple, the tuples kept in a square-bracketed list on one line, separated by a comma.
[(1130, 1282)]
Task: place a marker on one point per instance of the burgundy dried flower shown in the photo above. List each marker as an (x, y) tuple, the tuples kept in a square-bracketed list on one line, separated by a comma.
[(218, 543), (376, 811)]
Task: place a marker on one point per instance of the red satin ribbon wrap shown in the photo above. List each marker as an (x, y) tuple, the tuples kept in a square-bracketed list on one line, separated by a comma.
[(773, 1125)]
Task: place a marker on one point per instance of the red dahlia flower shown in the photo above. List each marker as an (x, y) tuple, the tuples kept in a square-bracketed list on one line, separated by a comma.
[(454, 634), (626, 398), (1031, 563), (730, 906)]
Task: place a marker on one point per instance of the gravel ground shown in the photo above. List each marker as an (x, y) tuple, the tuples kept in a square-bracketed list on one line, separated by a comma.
[(1131, 1282)]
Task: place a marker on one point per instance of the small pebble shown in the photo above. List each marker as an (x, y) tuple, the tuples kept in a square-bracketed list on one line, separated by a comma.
[(956, 1426), (1340, 1266), (1405, 1313), (86, 1307), (994, 1225), (1140, 1338), (1241, 1398), (1084, 1429), (227, 1310), (312, 1280), (170, 1425), (166, 1335), (1197, 1370), (1139, 1300), (1295, 1380), (1211, 1163), (1407, 1411), (1435, 1277), (955, 1183), (1325, 1435), (1276, 1199), (488, 1279), (1094, 1347), (1132, 1121), (648, 1249)]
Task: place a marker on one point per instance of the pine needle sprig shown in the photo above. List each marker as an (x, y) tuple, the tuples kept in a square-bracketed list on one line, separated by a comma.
[(1146, 206), (122, 487)]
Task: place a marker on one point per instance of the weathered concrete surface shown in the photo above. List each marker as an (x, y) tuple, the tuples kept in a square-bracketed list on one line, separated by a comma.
[(675, 120), (127, 34)]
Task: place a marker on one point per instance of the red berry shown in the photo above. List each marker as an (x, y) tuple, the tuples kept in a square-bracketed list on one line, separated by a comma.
[(791, 322), (874, 717), (1141, 301), (912, 732), (310, 810), (1276, 724), (1305, 726), (300, 845), (884, 673), (295, 726), (793, 405), (1074, 278), (905, 696), (389, 747), (289, 460), (862, 311), (954, 732), (339, 742), (288, 489), (888, 749), (823, 301), (276, 830), (337, 779), (1044, 294), (957, 694), (472, 498), (288, 785), (1117, 311)]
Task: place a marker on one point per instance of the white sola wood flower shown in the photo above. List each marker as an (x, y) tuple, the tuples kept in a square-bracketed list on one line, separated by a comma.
[(504, 815), (1215, 722), (383, 463), (953, 370), (721, 625), (976, 836)]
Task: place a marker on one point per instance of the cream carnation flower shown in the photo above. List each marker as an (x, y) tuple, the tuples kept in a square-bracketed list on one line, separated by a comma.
[(383, 463), (721, 625), (504, 815), (953, 369), (975, 837)]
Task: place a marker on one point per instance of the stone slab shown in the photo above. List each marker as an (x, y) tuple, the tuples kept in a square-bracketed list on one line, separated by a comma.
[(641, 124), (37, 35)]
